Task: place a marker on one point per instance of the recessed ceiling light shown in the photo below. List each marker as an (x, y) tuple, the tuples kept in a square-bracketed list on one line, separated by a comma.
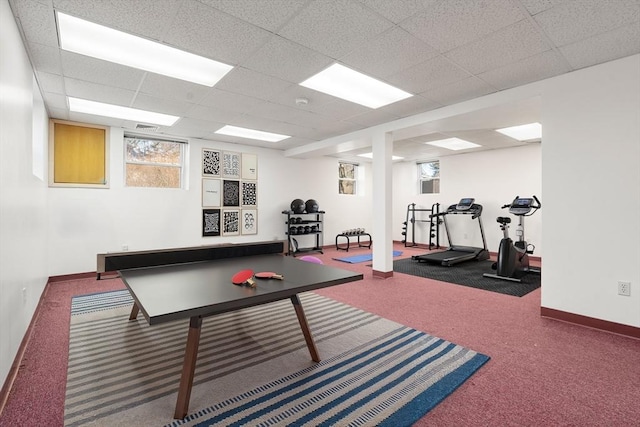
[(523, 132), (97, 41), (453, 144), (370, 156), (109, 110), (251, 134), (345, 83)]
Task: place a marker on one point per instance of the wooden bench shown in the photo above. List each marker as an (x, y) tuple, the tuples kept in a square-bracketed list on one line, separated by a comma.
[(358, 235), (113, 261)]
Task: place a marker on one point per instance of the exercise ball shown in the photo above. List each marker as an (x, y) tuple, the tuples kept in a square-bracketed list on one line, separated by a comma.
[(311, 206), (297, 206)]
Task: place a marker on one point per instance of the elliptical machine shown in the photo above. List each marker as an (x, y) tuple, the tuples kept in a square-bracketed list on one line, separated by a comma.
[(513, 257)]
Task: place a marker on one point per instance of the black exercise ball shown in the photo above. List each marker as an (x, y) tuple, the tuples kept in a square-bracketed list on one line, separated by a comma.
[(297, 206), (311, 206)]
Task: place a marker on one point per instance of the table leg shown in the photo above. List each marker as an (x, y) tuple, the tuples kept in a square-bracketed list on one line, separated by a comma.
[(134, 311), (305, 328), (188, 368)]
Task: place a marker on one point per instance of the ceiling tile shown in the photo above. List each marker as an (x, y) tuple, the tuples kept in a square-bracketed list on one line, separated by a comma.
[(372, 118), (270, 15), (301, 62), (217, 115), (37, 21), (168, 88), (98, 120), (229, 101), (146, 18), (459, 91), (58, 113), (98, 92), (390, 53), (247, 82), (160, 105), (414, 105), (198, 128), (452, 23), (84, 68), (537, 6), (50, 82), (510, 44), (55, 100), (45, 58), (621, 42), (398, 11), (538, 67), (427, 75), (334, 28), (206, 31), (578, 20)]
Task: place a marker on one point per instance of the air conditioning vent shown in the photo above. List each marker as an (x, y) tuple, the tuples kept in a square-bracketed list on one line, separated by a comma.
[(148, 128)]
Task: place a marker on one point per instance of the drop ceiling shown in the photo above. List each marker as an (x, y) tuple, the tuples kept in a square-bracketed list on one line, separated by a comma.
[(441, 51)]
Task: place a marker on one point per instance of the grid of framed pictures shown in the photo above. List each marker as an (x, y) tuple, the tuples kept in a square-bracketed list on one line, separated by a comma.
[(229, 193)]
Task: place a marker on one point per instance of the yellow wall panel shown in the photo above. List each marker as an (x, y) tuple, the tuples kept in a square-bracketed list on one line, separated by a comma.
[(79, 155)]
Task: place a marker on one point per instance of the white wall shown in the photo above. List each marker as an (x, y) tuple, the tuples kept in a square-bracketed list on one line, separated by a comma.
[(23, 208), (493, 178), (591, 182), (84, 221)]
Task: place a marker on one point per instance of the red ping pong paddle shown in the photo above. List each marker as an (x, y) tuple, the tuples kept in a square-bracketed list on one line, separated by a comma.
[(244, 277), (269, 275)]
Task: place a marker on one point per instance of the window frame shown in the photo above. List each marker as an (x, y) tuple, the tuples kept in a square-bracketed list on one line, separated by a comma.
[(354, 180), (421, 180), (182, 166)]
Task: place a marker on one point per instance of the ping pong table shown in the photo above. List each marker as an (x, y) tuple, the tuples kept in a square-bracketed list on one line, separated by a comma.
[(200, 289)]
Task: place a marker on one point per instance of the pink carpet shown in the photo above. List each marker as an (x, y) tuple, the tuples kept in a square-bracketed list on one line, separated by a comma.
[(541, 372)]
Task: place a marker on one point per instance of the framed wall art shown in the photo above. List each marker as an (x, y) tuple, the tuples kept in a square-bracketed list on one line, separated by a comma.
[(249, 219), (211, 192), (249, 166), (231, 165), (231, 222), (211, 162), (249, 193), (230, 193), (210, 222)]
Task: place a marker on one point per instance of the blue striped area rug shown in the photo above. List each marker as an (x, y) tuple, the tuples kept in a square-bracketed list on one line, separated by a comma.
[(254, 368)]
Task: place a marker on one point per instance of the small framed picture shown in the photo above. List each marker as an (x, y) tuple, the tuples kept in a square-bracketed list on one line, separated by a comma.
[(231, 222), (249, 166), (211, 161), (231, 165), (210, 222), (249, 221), (211, 192), (249, 193), (230, 192)]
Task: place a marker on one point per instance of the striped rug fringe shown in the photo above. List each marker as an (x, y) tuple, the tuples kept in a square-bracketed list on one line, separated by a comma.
[(381, 373)]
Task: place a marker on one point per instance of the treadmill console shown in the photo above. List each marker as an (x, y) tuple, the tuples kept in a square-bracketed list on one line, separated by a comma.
[(521, 206), (465, 204)]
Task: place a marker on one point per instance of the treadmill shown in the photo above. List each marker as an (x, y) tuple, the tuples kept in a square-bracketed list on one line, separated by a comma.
[(457, 254)]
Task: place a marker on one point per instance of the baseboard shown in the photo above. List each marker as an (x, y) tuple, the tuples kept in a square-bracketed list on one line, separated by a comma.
[(590, 322), (75, 276), (17, 361), (382, 274)]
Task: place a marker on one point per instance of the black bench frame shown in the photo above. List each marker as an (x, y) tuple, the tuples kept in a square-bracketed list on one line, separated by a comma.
[(360, 244)]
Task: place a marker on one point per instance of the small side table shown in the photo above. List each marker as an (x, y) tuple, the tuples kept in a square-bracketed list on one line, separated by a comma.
[(365, 244)]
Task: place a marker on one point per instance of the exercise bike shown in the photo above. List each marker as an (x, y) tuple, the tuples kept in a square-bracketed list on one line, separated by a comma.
[(513, 257)]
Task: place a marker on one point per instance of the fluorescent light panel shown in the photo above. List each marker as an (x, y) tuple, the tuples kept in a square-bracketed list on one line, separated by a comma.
[(453, 144), (523, 132), (345, 83), (370, 156), (109, 110), (251, 134), (97, 41)]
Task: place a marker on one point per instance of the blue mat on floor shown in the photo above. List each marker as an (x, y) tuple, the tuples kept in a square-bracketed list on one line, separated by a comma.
[(362, 258)]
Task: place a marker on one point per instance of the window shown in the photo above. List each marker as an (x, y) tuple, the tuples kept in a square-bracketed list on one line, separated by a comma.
[(429, 177), (347, 174), (78, 155), (153, 162)]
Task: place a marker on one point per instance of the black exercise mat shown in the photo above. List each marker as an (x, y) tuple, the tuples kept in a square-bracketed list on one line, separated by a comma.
[(468, 274)]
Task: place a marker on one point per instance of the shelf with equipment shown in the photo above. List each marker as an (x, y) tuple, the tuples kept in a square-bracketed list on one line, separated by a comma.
[(304, 228)]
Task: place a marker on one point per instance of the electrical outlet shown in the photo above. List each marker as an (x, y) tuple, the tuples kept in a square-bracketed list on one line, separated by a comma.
[(624, 288), (125, 247)]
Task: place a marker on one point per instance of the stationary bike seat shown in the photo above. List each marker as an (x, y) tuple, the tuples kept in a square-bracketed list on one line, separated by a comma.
[(503, 219)]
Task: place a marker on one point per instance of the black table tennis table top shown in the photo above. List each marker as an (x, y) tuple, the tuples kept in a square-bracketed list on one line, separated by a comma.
[(172, 292)]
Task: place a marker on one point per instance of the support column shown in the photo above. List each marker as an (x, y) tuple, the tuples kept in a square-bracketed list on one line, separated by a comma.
[(382, 209)]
